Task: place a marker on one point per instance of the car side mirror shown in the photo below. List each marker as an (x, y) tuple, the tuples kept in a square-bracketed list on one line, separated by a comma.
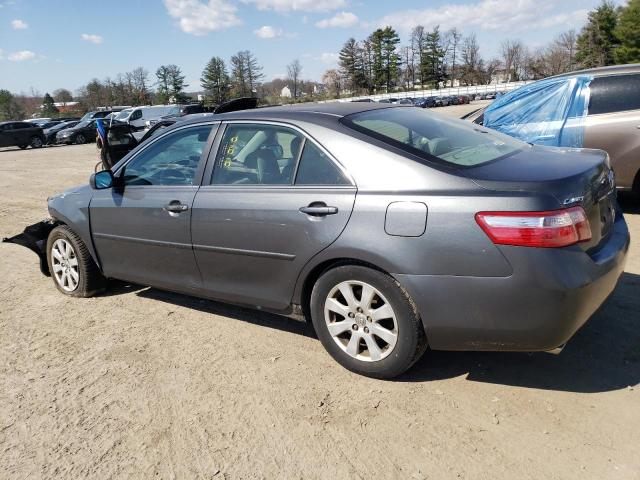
[(101, 180)]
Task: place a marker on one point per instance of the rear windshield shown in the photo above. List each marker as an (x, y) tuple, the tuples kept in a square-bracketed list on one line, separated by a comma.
[(434, 137)]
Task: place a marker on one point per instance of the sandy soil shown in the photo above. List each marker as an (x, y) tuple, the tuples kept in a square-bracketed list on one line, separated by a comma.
[(139, 383)]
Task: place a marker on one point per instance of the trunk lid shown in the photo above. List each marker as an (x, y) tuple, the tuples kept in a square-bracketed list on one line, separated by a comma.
[(572, 176)]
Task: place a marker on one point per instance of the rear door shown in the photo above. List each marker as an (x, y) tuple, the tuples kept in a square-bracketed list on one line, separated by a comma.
[(613, 123), (274, 198)]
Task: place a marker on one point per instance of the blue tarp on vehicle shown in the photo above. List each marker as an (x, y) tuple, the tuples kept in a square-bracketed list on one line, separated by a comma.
[(549, 112)]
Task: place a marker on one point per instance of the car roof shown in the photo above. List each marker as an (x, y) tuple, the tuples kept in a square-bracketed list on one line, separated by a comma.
[(604, 71), (318, 113)]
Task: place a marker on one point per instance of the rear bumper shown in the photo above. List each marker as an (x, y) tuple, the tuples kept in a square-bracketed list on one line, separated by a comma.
[(549, 296)]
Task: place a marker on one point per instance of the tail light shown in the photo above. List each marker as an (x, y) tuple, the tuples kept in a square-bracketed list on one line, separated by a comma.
[(555, 228)]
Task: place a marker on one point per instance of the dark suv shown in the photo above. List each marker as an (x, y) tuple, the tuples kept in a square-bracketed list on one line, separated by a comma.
[(20, 134)]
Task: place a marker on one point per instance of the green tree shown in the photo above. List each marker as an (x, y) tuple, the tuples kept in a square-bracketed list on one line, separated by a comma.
[(215, 80), (597, 40), (433, 58), (351, 66), (163, 91), (62, 95), (246, 74), (386, 60), (9, 108), (628, 33), (48, 107)]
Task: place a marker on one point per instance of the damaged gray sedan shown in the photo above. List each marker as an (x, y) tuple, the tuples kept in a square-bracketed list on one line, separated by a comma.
[(392, 228)]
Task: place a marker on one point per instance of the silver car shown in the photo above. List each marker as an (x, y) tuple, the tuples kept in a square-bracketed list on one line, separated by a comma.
[(392, 228)]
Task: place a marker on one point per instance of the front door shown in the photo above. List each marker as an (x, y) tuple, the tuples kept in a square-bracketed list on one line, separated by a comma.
[(274, 200), (141, 230)]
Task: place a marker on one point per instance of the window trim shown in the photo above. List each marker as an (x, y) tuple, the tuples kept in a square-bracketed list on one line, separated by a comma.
[(213, 155), (202, 163)]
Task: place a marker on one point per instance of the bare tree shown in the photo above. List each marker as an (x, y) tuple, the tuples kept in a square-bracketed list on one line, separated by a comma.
[(512, 56), (567, 42), (454, 38), (294, 69), (333, 82)]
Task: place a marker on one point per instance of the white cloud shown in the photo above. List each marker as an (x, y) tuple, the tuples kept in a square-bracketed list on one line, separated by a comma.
[(298, 5), (329, 58), (503, 15), (21, 56), (199, 18), (267, 31), (19, 24), (341, 20), (97, 39)]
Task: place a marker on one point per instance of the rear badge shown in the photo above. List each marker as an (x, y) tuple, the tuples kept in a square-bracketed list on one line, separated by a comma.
[(571, 200)]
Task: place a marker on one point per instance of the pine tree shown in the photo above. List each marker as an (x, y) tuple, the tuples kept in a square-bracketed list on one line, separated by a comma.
[(351, 65), (433, 57), (597, 41), (215, 80), (163, 92), (48, 107), (628, 33), (254, 73)]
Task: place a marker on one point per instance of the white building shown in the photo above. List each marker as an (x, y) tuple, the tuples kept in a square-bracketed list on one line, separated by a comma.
[(285, 92)]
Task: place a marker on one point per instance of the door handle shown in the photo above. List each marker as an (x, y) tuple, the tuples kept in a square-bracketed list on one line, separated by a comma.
[(175, 206), (319, 209)]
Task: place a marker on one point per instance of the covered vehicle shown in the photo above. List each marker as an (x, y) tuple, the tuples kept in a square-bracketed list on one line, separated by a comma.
[(21, 134), (391, 228), (596, 108)]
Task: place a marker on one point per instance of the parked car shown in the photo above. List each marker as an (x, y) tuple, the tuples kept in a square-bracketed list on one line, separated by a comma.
[(428, 102), (50, 133), (391, 228), (464, 99), (95, 114), (442, 101), (611, 122), (20, 134), (405, 101), (139, 116), (83, 132), (37, 120)]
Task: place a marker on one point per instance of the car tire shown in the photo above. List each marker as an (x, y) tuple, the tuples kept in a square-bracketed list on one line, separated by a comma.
[(35, 142), (80, 139), (379, 338), (22, 147), (72, 268)]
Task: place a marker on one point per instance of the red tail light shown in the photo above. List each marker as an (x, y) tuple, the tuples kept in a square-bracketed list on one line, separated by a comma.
[(555, 228)]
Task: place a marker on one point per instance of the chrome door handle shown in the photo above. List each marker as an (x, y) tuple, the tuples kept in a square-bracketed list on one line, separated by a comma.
[(319, 210), (176, 207)]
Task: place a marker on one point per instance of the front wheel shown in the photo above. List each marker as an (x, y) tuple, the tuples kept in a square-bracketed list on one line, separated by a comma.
[(35, 142), (367, 321), (73, 271), (80, 139)]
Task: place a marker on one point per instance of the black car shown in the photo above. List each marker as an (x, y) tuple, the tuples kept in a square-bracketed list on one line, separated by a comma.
[(95, 114), (20, 134), (83, 132), (428, 102), (50, 132)]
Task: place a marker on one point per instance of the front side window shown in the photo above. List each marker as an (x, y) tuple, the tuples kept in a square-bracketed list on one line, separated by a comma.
[(434, 137), (137, 114), (252, 154), (172, 160)]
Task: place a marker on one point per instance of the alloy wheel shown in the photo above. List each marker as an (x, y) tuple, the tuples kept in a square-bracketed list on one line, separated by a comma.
[(80, 139), (64, 263), (361, 321), (36, 142)]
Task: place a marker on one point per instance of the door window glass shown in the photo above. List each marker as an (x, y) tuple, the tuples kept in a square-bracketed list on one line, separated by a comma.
[(318, 169), (257, 155), (172, 160), (616, 93), (137, 114)]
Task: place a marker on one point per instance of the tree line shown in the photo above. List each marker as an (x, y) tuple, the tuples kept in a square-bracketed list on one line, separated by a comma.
[(431, 58)]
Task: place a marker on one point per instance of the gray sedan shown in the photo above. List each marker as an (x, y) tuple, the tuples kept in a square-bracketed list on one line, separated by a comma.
[(392, 228)]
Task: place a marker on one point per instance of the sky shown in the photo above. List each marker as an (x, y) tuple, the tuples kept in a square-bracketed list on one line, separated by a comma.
[(46, 44)]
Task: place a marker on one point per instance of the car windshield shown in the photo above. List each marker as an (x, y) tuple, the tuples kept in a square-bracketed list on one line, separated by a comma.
[(427, 135), (83, 124), (123, 115)]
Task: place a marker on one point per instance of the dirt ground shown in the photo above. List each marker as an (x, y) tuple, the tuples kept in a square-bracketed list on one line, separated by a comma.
[(139, 383)]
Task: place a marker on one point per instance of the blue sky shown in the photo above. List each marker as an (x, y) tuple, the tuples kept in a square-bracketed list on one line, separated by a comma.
[(47, 44)]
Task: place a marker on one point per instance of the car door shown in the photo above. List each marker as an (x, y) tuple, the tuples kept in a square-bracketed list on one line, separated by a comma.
[(5, 135), (141, 228), (613, 123), (274, 199)]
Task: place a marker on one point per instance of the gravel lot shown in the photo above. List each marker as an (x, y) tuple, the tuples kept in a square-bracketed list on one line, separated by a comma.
[(139, 383)]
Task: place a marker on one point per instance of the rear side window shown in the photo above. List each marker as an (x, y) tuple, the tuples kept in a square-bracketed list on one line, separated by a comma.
[(617, 93), (434, 137), (317, 169)]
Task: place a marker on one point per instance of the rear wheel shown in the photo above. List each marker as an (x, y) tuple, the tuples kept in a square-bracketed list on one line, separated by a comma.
[(72, 269), (367, 321), (35, 142), (80, 139)]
